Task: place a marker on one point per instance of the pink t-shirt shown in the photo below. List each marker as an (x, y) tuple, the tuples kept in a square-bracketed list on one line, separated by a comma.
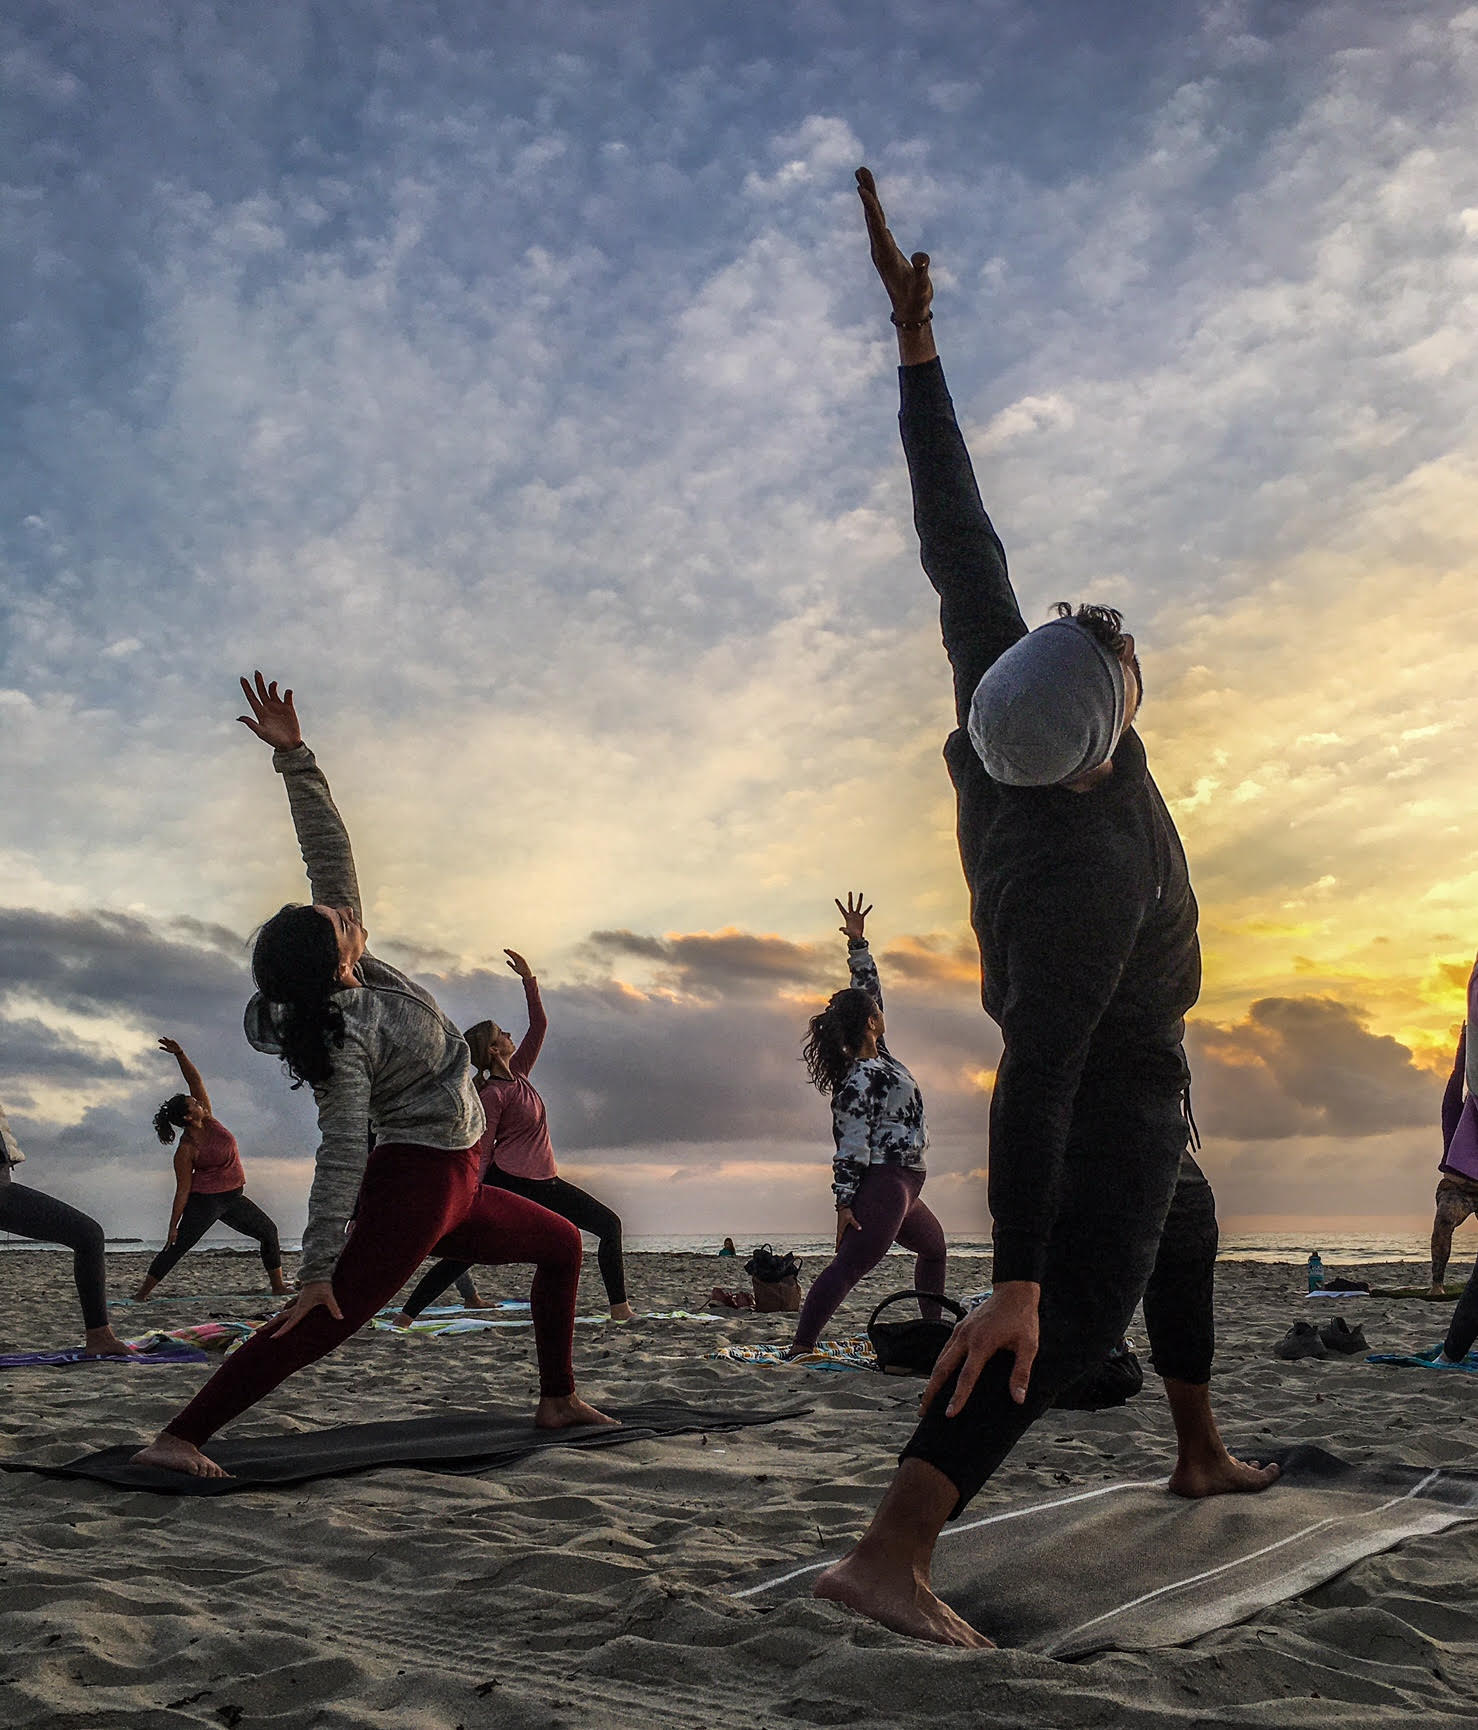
[(516, 1139), (218, 1165)]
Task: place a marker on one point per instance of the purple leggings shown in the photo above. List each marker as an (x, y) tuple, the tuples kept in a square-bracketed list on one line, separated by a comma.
[(888, 1211)]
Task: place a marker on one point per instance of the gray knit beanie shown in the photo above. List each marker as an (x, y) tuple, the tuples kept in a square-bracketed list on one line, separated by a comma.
[(1050, 708)]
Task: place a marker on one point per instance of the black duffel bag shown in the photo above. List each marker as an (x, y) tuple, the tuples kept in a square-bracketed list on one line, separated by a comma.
[(910, 1348)]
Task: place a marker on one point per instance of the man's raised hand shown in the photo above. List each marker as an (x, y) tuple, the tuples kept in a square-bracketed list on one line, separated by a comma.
[(273, 719), (906, 279)]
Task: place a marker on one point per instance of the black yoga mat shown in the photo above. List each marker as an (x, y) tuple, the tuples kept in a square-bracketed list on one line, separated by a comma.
[(461, 1442), (1129, 1567)]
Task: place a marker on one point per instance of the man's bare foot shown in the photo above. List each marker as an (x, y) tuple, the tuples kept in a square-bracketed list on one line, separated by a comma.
[(1437, 1291), (898, 1598), (622, 1312), (1225, 1476), (479, 1303), (174, 1454), (104, 1343), (566, 1411)]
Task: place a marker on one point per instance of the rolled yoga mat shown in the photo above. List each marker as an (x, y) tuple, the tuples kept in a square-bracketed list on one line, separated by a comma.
[(458, 1442), (1129, 1567)]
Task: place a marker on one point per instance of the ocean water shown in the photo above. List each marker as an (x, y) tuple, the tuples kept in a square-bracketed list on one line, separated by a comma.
[(1339, 1249)]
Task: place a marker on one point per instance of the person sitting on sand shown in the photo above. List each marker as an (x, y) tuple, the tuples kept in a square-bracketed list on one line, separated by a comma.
[(1457, 1191), (376, 1050), (877, 1122), (728, 1248), (518, 1156), (1082, 906), (210, 1181), (26, 1212)]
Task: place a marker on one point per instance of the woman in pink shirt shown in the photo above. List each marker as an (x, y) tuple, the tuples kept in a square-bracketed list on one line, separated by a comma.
[(210, 1183), (518, 1155)]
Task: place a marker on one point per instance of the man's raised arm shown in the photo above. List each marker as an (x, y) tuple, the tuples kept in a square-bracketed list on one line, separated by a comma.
[(960, 550)]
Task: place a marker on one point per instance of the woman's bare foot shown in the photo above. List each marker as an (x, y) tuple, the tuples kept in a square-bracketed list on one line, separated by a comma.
[(566, 1411), (174, 1454), (479, 1303), (280, 1287), (104, 1343), (622, 1312), (898, 1598), (402, 1320), (145, 1291), (1226, 1476)]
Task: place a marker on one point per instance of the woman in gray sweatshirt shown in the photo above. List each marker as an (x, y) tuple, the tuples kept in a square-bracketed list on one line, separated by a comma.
[(382, 1060)]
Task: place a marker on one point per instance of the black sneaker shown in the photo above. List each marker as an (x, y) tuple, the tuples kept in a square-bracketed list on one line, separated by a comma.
[(1339, 1336), (1301, 1341)]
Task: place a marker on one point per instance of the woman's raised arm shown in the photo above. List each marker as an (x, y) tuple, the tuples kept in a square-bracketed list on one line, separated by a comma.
[(322, 837), (191, 1074)]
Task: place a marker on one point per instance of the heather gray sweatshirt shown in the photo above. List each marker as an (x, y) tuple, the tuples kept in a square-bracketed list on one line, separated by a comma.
[(403, 1071), (10, 1149)]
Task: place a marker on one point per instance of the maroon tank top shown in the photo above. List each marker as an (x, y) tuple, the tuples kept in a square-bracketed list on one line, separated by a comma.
[(218, 1165)]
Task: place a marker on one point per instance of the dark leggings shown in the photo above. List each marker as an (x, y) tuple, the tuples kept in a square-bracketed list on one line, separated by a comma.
[(232, 1208), (28, 1213), (1462, 1330), (888, 1211), (583, 1212), (414, 1202), (1137, 1220)]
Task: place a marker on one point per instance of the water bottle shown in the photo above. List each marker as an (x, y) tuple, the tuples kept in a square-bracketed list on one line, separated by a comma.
[(1316, 1272)]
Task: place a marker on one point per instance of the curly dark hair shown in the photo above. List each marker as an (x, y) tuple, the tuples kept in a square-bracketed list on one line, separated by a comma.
[(831, 1044), (1107, 625), (295, 963), (172, 1115)]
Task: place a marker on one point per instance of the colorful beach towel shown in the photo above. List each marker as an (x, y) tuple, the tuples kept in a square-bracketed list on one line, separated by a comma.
[(1129, 1567), (462, 1322), (458, 1442), (853, 1353), (151, 1349), (1430, 1359)]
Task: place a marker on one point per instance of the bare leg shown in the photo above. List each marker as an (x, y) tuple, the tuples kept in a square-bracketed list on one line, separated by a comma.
[(1442, 1227), (176, 1455), (566, 1411), (280, 1287), (145, 1289), (886, 1577), (1203, 1466)]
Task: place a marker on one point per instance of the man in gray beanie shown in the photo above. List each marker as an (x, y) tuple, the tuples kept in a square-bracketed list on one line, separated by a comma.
[(1082, 906)]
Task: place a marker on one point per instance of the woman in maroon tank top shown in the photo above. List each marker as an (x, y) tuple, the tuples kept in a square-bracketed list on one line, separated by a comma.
[(210, 1183)]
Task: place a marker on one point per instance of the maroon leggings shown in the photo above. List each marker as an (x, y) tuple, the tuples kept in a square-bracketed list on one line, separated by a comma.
[(888, 1211), (414, 1202)]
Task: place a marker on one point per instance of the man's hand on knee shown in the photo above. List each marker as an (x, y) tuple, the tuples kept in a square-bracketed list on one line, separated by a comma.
[(1005, 1322)]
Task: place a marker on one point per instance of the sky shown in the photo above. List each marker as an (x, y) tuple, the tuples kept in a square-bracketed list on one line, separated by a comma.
[(513, 383)]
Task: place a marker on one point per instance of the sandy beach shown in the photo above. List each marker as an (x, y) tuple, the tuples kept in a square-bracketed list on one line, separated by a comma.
[(590, 1588)]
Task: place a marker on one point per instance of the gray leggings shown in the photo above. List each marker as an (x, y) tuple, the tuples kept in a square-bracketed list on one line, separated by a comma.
[(28, 1213)]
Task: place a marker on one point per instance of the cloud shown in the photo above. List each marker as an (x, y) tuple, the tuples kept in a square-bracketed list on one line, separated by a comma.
[(1307, 1066)]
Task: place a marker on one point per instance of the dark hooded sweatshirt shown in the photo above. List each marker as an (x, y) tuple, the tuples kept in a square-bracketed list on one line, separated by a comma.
[(1081, 902)]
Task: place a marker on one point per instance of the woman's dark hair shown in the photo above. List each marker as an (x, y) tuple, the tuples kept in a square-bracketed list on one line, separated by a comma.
[(295, 963), (479, 1037), (172, 1115), (831, 1046)]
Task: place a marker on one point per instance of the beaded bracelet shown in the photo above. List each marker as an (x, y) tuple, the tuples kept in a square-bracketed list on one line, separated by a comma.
[(912, 323)]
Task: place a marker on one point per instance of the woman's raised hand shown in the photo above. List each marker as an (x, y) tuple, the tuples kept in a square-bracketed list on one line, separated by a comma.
[(906, 279), (853, 915), (273, 719), (518, 964), (172, 1046)]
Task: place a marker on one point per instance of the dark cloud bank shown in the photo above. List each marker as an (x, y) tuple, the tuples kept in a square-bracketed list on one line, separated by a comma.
[(703, 1056)]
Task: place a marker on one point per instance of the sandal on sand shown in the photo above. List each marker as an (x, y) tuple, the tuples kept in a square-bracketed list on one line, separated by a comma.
[(1301, 1341), (1339, 1336)]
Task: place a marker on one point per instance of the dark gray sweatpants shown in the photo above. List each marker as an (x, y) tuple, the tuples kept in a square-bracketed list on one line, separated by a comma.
[(1137, 1220)]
